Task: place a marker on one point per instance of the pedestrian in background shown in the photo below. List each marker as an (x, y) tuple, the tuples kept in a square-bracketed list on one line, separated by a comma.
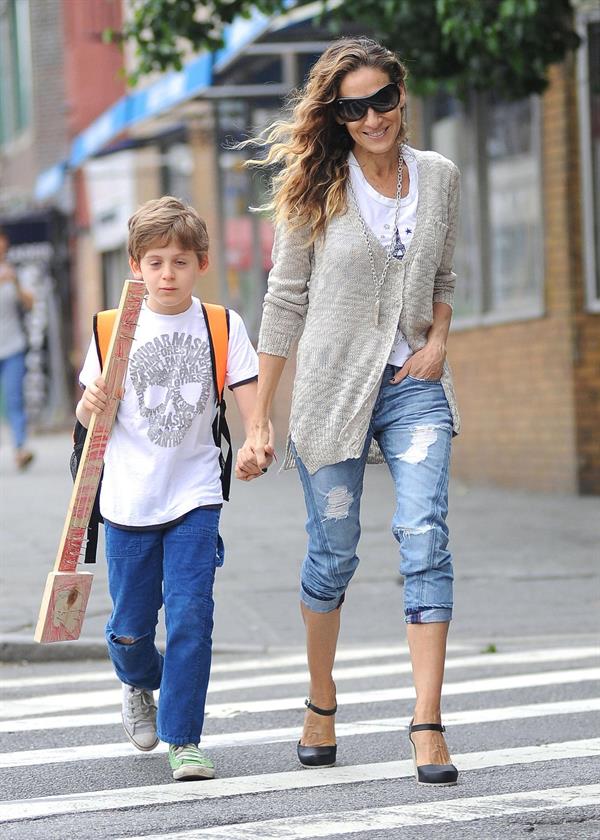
[(362, 264), (14, 301)]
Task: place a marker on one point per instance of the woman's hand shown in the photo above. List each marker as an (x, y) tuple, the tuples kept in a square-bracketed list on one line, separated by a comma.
[(427, 363), (257, 453)]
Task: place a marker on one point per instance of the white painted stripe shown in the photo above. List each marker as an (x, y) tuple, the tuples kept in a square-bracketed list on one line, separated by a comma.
[(98, 752), (530, 657), (507, 683), (60, 722), (110, 697), (266, 662), (407, 693), (397, 816), (108, 800)]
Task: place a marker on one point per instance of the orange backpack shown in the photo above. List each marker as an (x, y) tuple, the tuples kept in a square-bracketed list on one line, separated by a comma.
[(217, 324)]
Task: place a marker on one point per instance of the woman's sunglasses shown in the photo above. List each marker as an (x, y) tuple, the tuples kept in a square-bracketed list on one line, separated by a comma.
[(352, 109)]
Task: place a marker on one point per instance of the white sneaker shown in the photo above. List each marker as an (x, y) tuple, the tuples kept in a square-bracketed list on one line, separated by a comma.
[(138, 714)]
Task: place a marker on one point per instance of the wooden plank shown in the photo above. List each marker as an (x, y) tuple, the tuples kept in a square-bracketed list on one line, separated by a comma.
[(63, 606), (67, 591)]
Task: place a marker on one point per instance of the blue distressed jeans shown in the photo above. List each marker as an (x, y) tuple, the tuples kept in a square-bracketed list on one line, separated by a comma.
[(176, 566), (412, 424)]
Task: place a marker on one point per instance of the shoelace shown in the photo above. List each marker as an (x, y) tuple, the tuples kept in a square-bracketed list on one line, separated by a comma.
[(140, 707), (190, 753)]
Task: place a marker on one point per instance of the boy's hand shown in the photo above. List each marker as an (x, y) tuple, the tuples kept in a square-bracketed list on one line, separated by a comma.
[(95, 397), (257, 453)]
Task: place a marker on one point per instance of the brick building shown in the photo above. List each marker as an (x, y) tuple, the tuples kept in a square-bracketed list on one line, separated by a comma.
[(525, 342)]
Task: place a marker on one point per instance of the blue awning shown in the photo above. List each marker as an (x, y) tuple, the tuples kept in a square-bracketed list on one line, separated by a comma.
[(168, 90), (50, 181)]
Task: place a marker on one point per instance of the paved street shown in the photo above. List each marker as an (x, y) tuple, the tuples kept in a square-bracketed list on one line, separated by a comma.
[(521, 693)]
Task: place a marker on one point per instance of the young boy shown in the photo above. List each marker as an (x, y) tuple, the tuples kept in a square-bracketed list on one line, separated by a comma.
[(161, 492)]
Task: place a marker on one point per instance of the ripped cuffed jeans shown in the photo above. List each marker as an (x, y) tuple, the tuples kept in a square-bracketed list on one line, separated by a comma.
[(177, 565), (412, 424)]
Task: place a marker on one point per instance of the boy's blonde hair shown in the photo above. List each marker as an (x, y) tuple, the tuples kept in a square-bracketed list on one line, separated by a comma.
[(162, 221)]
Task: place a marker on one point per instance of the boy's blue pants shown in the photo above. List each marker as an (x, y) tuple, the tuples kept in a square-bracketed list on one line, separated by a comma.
[(175, 566)]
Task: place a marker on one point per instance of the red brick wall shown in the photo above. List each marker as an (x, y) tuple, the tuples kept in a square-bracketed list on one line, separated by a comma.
[(92, 68)]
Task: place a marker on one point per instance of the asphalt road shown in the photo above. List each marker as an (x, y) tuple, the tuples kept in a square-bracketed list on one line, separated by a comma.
[(522, 725), (522, 718)]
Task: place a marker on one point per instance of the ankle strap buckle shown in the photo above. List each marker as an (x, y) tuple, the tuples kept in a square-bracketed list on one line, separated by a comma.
[(317, 710)]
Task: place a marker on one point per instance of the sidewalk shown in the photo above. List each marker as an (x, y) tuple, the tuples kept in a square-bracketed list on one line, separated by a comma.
[(526, 564)]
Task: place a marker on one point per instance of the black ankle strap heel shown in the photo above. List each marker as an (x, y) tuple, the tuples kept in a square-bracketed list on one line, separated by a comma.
[(431, 774), (317, 756), (317, 711)]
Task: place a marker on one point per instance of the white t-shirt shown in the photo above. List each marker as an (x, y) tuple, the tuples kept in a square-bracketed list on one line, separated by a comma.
[(378, 212), (161, 460)]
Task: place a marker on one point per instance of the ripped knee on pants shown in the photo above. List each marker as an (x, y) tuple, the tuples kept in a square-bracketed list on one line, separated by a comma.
[(124, 640), (339, 501)]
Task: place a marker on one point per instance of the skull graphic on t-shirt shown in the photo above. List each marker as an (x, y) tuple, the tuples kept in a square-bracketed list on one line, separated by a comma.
[(172, 377)]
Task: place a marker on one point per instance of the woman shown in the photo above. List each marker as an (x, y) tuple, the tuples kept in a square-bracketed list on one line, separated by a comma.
[(13, 345), (365, 232)]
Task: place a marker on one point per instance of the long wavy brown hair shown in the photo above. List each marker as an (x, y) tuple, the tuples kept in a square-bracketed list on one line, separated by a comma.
[(312, 147)]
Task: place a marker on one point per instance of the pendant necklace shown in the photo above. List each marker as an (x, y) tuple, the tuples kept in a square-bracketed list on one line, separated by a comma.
[(379, 281)]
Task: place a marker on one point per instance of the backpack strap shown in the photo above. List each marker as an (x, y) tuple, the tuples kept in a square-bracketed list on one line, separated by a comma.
[(217, 324), (103, 328)]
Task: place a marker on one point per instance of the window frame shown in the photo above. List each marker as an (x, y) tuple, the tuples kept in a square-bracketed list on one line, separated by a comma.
[(485, 316), (590, 256), (16, 86)]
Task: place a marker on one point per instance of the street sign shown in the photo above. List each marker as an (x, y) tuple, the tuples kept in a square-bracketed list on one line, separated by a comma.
[(67, 591)]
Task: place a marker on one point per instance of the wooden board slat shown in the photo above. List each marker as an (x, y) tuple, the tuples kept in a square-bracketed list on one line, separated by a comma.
[(59, 620), (63, 606)]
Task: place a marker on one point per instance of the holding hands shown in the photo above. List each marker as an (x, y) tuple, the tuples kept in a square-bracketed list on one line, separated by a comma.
[(257, 453)]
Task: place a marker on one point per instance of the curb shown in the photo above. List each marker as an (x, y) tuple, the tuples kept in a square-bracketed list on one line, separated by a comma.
[(22, 648)]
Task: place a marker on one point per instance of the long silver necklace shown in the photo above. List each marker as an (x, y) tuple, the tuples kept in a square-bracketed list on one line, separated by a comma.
[(379, 281)]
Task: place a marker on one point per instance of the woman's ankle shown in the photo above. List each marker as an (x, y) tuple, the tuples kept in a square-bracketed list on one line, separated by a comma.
[(427, 714), (322, 696)]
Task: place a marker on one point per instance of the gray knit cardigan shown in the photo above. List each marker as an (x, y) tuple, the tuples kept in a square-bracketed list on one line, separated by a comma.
[(327, 288)]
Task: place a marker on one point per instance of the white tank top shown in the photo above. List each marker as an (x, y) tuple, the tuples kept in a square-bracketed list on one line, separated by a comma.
[(378, 212)]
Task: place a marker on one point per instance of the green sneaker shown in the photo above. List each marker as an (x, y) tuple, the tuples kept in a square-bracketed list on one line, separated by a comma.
[(188, 762)]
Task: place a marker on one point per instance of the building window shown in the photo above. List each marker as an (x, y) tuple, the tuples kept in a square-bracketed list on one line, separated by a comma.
[(15, 62), (499, 255), (514, 207), (589, 122)]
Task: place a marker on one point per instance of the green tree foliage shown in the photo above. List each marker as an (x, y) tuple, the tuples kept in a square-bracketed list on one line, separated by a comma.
[(503, 46)]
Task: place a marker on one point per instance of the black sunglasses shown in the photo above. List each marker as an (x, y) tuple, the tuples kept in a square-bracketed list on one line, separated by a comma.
[(352, 109)]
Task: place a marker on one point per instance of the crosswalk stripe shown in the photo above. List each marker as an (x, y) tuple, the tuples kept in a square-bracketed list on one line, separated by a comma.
[(511, 658), (266, 662), (98, 752), (93, 699), (80, 700), (384, 695), (390, 817), (244, 785)]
